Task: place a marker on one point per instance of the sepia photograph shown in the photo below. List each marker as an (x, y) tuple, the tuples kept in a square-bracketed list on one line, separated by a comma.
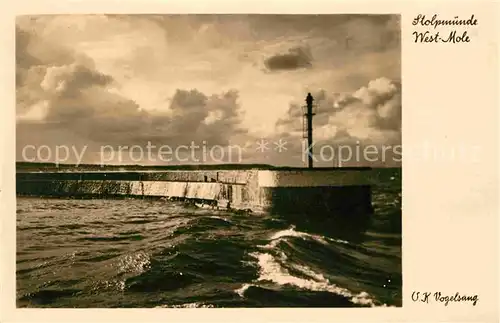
[(208, 160)]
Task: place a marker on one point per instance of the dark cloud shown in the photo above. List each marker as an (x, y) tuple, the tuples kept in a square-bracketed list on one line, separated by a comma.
[(97, 119), (62, 98), (81, 105), (298, 57), (45, 71), (270, 26), (197, 117), (369, 117), (23, 57)]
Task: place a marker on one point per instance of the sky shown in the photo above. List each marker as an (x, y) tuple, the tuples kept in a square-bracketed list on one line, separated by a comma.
[(93, 83)]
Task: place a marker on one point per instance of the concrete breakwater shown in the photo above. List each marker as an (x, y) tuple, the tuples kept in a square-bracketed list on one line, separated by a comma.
[(319, 194)]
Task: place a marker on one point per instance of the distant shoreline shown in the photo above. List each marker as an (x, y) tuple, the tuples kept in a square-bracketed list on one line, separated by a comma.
[(30, 167)]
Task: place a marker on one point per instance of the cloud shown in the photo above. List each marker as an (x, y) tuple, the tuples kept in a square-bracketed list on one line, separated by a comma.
[(194, 116), (68, 80), (295, 58), (174, 79), (370, 116), (374, 107), (61, 95)]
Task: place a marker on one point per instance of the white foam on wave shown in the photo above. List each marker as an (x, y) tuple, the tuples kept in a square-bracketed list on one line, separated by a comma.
[(187, 305), (220, 218), (337, 240), (241, 291), (135, 263), (291, 232), (270, 269)]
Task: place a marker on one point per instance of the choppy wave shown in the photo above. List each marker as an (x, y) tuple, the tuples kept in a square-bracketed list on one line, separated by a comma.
[(136, 253), (272, 269)]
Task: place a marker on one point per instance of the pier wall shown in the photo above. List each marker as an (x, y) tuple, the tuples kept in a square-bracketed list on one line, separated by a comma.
[(303, 195), (223, 176), (237, 189)]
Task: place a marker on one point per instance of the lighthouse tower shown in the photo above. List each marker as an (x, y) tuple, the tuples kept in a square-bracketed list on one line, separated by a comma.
[(307, 128)]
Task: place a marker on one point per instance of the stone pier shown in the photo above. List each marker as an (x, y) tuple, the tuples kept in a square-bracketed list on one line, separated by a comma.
[(312, 196)]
